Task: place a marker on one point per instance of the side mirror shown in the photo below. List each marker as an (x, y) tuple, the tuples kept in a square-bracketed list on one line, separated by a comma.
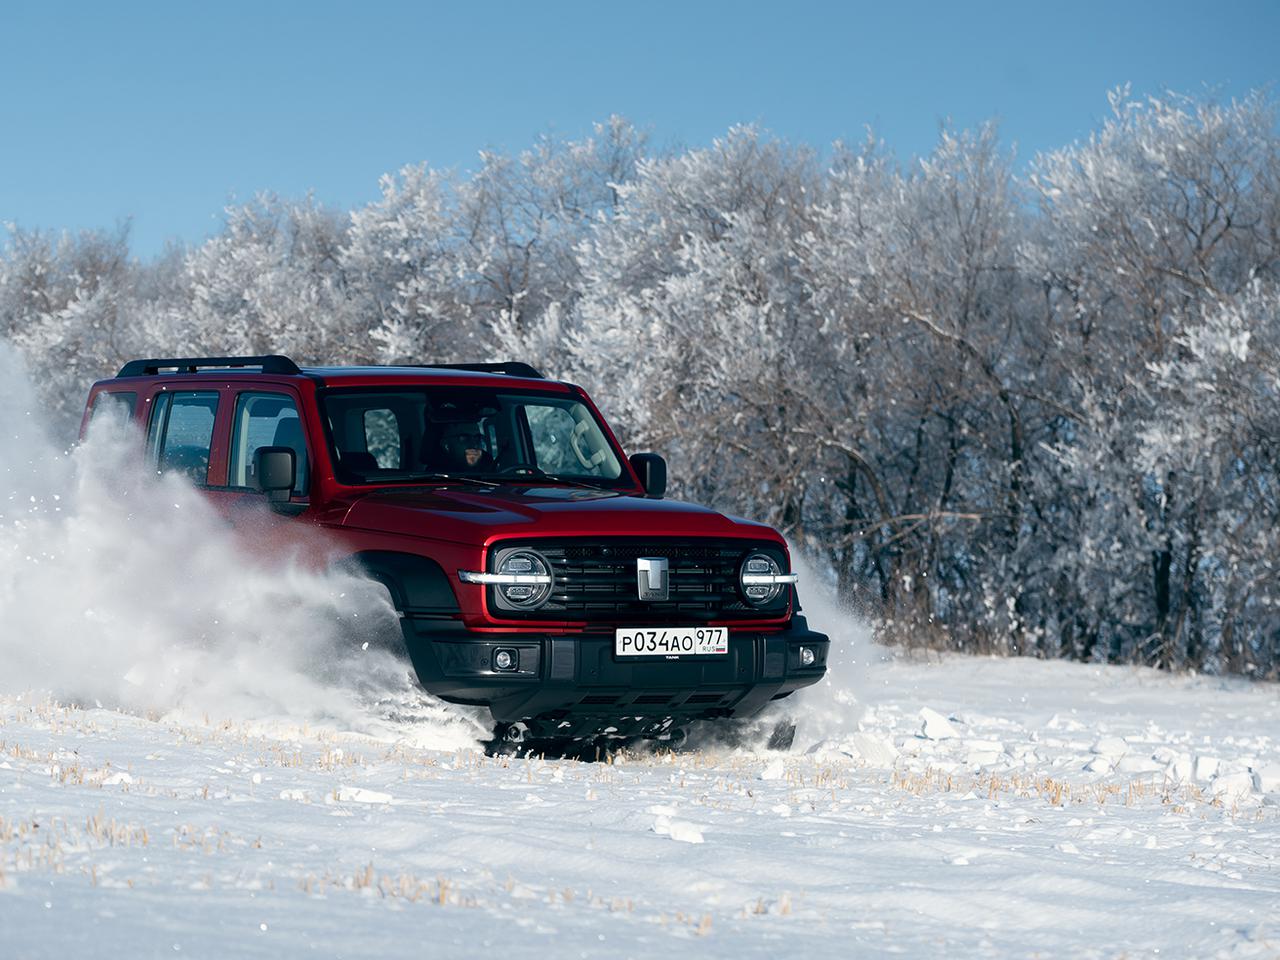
[(274, 471), (653, 473)]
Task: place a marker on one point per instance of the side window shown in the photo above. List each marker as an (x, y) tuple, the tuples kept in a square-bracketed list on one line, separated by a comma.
[(382, 438), (113, 406), (155, 428), (551, 428), (367, 440), (567, 441), (266, 420), (182, 428)]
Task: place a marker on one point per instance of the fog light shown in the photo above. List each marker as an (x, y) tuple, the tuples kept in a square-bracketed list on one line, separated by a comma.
[(807, 656), (505, 659)]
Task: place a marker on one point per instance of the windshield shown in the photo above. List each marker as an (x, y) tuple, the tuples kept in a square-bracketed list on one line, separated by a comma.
[(407, 434)]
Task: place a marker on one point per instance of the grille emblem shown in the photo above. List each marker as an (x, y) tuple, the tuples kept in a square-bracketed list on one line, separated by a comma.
[(653, 578)]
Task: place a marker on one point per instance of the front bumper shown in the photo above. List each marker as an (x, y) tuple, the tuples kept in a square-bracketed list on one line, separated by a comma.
[(576, 680)]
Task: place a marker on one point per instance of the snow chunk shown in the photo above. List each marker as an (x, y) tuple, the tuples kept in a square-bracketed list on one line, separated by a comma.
[(1139, 765), (983, 753), (1113, 747), (1267, 779), (775, 769), (935, 725), (876, 751), (984, 759), (1059, 722), (1206, 768), (1098, 764), (984, 746), (1232, 785), (681, 830), (1180, 768), (361, 795)]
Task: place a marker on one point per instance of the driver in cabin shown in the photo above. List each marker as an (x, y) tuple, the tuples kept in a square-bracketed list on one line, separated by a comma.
[(465, 447)]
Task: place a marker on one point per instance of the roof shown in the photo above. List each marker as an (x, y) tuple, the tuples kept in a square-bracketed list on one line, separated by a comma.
[(415, 370), (401, 375), (274, 365)]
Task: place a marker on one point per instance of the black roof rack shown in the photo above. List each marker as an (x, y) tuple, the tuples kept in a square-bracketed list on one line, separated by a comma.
[(271, 363), (274, 363), (512, 368)]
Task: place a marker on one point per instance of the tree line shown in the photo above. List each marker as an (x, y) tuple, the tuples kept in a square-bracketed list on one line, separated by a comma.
[(1017, 411)]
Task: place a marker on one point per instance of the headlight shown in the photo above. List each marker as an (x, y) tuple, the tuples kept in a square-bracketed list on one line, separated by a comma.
[(522, 581), (533, 579), (762, 579)]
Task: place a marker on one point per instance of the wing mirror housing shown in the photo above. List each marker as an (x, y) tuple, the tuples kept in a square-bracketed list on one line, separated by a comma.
[(653, 473), (274, 472)]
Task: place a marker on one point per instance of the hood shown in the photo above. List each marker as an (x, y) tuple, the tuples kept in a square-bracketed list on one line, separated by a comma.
[(477, 515)]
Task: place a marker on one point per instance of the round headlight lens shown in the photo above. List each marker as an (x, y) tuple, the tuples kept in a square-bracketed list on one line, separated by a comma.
[(525, 564), (757, 579)]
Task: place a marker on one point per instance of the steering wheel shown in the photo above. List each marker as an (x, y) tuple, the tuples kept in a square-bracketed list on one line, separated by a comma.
[(531, 469)]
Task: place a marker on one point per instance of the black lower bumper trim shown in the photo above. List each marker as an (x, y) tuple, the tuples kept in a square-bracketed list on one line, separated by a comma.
[(556, 677)]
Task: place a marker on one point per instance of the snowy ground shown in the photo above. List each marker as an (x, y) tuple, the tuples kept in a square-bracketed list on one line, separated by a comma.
[(1063, 810)]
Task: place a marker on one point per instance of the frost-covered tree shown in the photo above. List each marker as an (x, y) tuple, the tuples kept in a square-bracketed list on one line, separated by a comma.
[(404, 273), (270, 282), (914, 276), (1027, 415), (1217, 444), (450, 269), (1170, 210), (522, 221), (694, 321), (67, 301)]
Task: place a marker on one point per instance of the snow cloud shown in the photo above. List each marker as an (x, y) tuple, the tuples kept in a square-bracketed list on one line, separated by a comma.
[(834, 707), (129, 589)]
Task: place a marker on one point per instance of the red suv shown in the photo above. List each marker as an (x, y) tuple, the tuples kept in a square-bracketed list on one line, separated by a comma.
[(538, 571)]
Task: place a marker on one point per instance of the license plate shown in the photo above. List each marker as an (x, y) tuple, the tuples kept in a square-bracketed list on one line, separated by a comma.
[(671, 641)]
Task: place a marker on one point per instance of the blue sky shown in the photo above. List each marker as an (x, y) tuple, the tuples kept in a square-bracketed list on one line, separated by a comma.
[(165, 112)]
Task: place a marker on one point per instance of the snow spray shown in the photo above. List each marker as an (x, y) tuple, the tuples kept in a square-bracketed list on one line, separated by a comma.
[(125, 589), (834, 706), (824, 714)]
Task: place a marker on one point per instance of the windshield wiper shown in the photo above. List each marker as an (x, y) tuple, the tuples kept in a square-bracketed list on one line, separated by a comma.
[(458, 478), (538, 477), (531, 472), (572, 482)]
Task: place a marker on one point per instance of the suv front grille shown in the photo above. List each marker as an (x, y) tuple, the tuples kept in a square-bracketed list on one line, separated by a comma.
[(596, 581)]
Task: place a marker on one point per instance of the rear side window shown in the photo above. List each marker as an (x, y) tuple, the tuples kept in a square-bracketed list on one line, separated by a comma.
[(372, 438), (113, 406), (182, 433), (382, 438), (266, 420), (117, 406)]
